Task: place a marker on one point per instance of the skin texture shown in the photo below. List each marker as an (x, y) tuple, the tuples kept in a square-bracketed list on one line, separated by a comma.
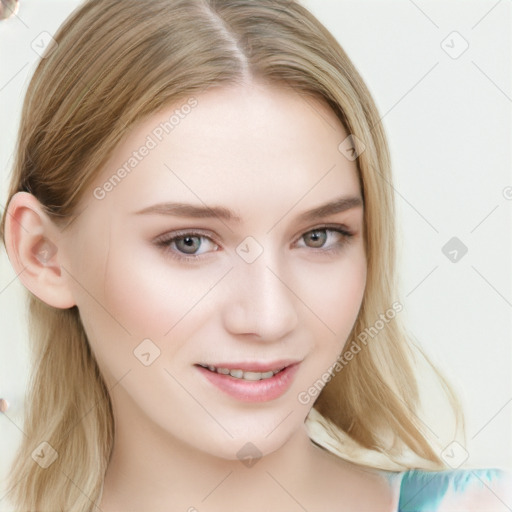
[(269, 154)]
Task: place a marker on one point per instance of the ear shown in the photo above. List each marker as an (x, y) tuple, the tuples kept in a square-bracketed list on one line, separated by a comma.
[(32, 243)]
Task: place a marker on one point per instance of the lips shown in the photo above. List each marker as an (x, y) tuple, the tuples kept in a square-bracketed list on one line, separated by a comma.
[(251, 382)]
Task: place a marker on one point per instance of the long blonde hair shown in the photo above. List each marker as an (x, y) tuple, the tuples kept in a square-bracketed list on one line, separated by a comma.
[(117, 62)]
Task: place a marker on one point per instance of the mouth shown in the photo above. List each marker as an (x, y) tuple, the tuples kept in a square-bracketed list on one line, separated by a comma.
[(251, 382), (239, 373)]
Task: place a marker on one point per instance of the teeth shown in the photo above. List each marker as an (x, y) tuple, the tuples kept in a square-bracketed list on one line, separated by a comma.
[(241, 374)]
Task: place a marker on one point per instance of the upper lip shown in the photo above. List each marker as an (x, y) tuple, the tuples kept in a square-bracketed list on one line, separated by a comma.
[(255, 366)]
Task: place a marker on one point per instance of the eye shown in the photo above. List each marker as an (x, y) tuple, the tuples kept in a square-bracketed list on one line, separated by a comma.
[(326, 238), (191, 246), (186, 245)]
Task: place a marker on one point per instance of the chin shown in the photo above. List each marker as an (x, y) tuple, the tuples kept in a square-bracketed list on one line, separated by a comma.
[(253, 441)]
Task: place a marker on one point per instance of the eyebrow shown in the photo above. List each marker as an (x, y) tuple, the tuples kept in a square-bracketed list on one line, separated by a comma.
[(337, 205)]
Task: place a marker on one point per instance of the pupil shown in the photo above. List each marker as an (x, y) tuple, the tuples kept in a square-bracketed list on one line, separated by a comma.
[(318, 238), (190, 243)]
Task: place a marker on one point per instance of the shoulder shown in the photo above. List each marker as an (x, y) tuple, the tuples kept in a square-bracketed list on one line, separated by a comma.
[(359, 488), (471, 490)]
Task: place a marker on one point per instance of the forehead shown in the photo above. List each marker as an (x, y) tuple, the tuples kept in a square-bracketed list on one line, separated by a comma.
[(241, 144)]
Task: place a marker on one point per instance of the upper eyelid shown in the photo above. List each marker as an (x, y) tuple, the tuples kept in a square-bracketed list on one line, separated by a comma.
[(171, 235), (329, 226)]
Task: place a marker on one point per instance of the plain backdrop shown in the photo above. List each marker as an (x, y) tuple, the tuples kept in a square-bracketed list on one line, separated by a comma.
[(440, 74)]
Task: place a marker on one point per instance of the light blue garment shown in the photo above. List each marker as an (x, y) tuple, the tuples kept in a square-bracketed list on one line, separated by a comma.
[(425, 491)]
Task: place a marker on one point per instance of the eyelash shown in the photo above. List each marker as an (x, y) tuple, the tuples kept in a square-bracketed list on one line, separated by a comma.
[(166, 240)]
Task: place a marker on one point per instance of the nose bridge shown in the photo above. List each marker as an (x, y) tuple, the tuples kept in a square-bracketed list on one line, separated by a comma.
[(260, 302)]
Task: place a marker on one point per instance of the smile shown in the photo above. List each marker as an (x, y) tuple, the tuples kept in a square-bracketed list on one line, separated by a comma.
[(241, 374), (254, 383)]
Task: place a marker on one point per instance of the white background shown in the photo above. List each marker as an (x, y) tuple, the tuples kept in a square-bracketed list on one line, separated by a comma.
[(448, 123)]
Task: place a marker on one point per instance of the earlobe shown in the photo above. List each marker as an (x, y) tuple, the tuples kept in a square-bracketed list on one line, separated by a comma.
[(32, 243)]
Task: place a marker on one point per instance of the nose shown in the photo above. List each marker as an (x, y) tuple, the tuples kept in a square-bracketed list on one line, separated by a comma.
[(260, 301)]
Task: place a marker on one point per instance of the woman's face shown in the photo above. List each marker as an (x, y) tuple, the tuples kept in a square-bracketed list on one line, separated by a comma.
[(164, 290)]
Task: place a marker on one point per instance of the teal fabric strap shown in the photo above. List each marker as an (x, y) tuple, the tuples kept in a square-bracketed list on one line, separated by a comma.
[(422, 491)]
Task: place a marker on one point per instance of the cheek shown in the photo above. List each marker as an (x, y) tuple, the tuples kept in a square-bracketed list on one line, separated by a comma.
[(334, 294), (153, 297)]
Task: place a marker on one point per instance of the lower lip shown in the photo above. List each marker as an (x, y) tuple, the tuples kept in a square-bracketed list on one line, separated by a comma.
[(255, 390)]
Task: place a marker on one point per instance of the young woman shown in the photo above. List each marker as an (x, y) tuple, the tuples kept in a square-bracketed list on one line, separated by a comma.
[(200, 211)]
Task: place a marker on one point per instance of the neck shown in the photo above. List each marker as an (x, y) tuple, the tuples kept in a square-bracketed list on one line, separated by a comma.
[(152, 470)]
